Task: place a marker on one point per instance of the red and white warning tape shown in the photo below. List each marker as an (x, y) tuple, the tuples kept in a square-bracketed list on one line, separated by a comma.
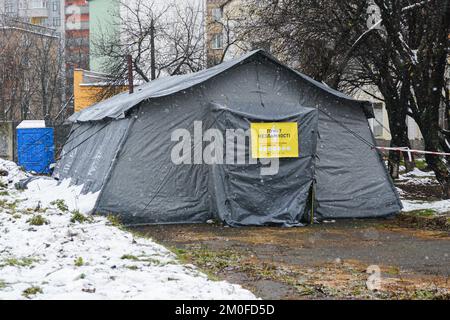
[(411, 151)]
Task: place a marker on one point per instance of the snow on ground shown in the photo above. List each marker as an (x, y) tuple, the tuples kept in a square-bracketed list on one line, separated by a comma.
[(438, 206), (419, 177), (46, 191), (15, 173), (64, 259), (417, 173)]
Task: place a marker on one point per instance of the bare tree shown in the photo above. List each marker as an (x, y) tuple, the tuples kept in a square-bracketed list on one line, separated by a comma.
[(403, 55), (47, 65), (182, 41), (162, 40), (419, 33), (30, 71), (232, 26)]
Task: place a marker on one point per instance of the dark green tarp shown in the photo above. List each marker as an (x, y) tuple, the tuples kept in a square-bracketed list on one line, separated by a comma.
[(126, 153)]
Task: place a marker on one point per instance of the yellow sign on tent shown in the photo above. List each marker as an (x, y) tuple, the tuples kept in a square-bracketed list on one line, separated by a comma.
[(274, 140)]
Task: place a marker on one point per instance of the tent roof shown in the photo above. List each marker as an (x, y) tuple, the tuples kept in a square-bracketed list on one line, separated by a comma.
[(116, 107)]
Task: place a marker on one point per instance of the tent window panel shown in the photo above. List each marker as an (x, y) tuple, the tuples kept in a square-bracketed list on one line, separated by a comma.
[(377, 124)]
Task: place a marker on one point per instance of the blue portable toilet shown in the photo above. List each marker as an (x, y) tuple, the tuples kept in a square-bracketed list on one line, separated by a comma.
[(35, 146)]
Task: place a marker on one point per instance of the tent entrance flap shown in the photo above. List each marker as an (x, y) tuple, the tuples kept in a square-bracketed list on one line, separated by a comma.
[(272, 189)]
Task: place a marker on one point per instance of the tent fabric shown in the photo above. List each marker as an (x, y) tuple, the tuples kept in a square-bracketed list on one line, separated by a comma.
[(89, 152), (351, 180), (243, 197), (117, 106), (125, 151)]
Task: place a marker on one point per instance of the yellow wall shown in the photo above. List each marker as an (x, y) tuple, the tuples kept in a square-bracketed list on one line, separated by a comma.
[(86, 96)]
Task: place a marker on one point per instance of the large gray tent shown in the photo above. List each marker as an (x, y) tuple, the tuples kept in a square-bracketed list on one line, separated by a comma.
[(121, 148)]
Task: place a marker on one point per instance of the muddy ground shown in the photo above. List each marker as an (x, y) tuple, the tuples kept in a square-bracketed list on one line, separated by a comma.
[(406, 257), (319, 261)]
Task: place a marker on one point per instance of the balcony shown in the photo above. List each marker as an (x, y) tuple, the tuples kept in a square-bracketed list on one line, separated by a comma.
[(38, 12)]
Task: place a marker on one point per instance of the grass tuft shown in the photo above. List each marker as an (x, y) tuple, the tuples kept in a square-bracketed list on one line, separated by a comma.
[(31, 291), (79, 262), (18, 262), (37, 220), (132, 267), (422, 213), (77, 216), (60, 204), (129, 257), (114, 220)]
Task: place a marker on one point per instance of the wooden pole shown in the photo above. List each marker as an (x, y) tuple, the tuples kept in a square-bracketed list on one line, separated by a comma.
[(130, 74), (152, 49)]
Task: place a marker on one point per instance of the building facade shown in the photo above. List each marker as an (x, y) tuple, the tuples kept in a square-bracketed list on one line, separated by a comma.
[(90, 87), (215, 31), (77, 51), (380, 124), (46, 13), (223, 18), (102, 15)]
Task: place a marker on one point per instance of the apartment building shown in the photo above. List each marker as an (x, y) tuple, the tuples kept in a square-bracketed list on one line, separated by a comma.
[(77, 50), (46, 13), (215, 31), (380, 124), (102, 16)]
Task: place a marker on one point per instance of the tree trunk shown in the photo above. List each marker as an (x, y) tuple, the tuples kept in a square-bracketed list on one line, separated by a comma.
[(153, 50), (399, 137), (430, 133)]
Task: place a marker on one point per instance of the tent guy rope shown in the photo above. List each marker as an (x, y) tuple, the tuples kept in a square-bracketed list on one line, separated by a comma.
[(411, 151)]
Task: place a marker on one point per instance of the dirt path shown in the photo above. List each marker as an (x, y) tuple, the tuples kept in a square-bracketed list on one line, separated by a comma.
[(319, 261)]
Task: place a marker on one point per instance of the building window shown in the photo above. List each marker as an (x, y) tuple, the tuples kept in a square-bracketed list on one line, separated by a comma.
[(38, 4), (217, 14), (378, 121), (56, 22), (55, 6), (217, 41), (9, 7), (39, 21)]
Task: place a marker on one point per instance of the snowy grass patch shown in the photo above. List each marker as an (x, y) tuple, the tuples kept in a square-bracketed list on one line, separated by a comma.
[(52, 249), (421, 179), (438, 207)]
